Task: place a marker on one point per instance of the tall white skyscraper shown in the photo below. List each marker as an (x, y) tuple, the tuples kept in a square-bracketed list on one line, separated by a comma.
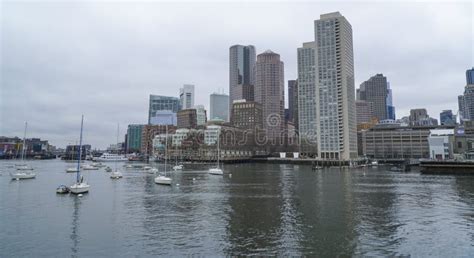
[(335, 92), (307, 97), (186, 96)]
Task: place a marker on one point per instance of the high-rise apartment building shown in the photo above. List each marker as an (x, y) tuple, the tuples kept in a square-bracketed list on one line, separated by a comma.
[(186, 96), (241, 73), (335, 91), (375, 90), (219, 106), (293, 101), (270, 93), (162, 110), (307, 118)]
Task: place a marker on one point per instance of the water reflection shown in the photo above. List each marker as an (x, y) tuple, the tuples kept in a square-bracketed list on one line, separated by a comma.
[(75, 225)]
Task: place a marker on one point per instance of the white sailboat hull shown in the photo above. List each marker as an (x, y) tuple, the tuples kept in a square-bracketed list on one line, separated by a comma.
[(115, 175), (22, 175), (215, 171), (163, 180), (25, 167), (79, 188), (71, 170)]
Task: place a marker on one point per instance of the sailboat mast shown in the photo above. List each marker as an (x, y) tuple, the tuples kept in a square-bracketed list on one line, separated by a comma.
[(218, 141), (78, 173), (115, 163), (24, 143), (166, 147)]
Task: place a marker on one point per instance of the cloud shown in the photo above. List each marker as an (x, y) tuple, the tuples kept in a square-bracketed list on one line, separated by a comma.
[(103, 59)]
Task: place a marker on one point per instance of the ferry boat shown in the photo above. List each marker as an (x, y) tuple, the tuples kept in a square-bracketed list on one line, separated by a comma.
[(111, 157)]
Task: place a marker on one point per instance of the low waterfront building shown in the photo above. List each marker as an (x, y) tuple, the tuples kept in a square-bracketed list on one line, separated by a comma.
[(464, 141), (396, 142), (187, 118), (441, 143), (148, 134), (72, 152)]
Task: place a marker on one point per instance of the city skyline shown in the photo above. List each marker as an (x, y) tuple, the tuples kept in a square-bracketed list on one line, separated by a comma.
[(91, 78)]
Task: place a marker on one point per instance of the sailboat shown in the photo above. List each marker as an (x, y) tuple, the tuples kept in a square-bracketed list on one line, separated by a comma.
[(217, 170), (116, 174), (163, 179), (80, 186), (177, 166), (22, 173)]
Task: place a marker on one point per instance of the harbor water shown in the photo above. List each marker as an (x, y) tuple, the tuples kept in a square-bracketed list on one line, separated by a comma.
[(253, 209)]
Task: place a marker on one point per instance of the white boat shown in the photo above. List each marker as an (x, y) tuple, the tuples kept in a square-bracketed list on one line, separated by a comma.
[(71, 170), (80, 186), (178, 167), (374, 163), (147, 168), (89, 167), (163, 179), (116, 174), (217, 170), (153, 171), (128, 166), (110, 157), (97, 164), (22, 175), (23, 167)]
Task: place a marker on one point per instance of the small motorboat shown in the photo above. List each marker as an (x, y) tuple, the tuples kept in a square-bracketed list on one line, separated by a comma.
[(147, 168), (108, 169), (178, 167), (71, 170), (62, 189), (216, 171), (89, 167), (116, 174), (152, 171), (97, 164)]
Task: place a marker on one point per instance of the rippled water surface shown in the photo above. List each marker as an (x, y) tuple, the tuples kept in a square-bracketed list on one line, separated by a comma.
[(260, 209)]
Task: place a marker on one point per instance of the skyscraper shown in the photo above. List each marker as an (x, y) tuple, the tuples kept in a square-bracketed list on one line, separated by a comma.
[(270, 92), (390, 107), (246, 115), (446, 117), (162, 110), (335, 92), (293, 101), (134, 138), (375, 90), (219, 106), (241, 73), (468, 99), (186, 96), (470, 76), (307, 118)]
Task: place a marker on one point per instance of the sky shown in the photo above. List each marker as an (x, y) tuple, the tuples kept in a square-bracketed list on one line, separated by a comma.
[(59, 60)]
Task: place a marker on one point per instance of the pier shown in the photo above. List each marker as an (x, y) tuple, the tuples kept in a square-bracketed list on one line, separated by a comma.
[(447, 167)]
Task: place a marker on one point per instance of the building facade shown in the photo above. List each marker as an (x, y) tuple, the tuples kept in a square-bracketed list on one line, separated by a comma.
[(242, 60), (270, 93), (441, 143), (148, 134), (246, 115), (395, 142), (335, 91), (134, 138), (219, 106), (470, 76), (293, 102), (364, 111), (201, 115), (187, 118), (162, 109), (420, 117), (468, 103), (186, 96), (375, 90)]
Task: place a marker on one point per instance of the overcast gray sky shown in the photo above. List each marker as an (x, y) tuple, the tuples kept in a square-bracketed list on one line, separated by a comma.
[(61, 60)]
